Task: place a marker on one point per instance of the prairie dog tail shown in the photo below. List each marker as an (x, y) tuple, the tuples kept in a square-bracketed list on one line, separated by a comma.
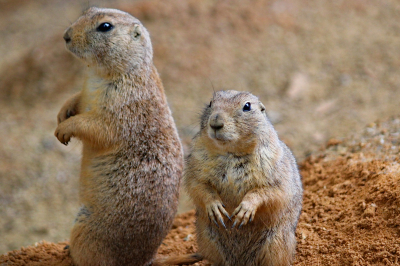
[(178, 260)]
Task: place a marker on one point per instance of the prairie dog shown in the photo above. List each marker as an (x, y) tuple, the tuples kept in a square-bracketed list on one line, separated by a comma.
[(132, 156), (244, 183)]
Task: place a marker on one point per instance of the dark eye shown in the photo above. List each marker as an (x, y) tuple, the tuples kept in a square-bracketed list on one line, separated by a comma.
[(247, 107), (210, 104), (104, 27)]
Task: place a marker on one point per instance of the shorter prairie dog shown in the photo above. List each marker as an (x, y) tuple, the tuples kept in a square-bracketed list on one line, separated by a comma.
[(242, 177)]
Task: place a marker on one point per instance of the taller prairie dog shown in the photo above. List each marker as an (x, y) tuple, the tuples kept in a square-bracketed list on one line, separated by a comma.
[(245, 185), (132, 157)]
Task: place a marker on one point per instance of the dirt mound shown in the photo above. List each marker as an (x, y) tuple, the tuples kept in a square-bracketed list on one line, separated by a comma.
[(351, 213), (350, 216), (42, 254)]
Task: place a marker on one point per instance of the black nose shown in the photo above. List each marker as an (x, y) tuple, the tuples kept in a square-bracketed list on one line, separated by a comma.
[(217, 126), (216, 122), (66, 37)]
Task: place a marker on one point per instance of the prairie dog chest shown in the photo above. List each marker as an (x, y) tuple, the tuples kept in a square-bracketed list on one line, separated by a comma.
[(94, 92), (234, 176)]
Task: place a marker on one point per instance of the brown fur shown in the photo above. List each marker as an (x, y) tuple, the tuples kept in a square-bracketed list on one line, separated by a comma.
[(178, 260), (240, 175), (132, 156)]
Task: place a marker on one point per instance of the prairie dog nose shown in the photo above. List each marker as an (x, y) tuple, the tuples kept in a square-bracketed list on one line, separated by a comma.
[(216, 121), (67, 36)]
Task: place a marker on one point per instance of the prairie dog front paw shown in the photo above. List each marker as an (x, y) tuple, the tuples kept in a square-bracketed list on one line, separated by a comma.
[(214, 210), (64, 132), (70, 108), (244, 213)]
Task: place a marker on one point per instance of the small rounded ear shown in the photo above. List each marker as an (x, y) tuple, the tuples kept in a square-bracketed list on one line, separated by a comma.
[(136, 32), (262, 107)]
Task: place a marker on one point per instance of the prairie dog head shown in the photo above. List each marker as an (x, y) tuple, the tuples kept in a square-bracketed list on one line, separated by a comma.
[(111, 40), (234, 122)]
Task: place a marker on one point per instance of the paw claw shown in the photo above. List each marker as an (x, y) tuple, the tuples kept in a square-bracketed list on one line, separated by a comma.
[(222, 222), (241, 224), (216, 224), (234, 224)]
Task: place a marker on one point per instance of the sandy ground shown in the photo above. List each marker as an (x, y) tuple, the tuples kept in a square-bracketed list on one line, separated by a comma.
[(323, 69)]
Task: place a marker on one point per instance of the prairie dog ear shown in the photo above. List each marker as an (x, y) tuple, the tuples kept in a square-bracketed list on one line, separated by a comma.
[(262, 107), (136, 31)]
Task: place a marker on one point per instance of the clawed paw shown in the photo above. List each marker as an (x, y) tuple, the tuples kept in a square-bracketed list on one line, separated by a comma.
[(243, 214), (214, 211), (63, 134), (64, 114)]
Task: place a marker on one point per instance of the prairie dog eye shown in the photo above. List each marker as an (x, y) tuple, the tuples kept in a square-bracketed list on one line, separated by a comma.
[(210, 104), (104, 27), (247, 107)]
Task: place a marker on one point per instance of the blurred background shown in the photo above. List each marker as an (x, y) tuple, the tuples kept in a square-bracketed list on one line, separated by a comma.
[(324, 69)]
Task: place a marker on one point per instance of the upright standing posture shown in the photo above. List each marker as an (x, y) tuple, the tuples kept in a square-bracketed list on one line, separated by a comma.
[(132, 156), (245, 185)]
